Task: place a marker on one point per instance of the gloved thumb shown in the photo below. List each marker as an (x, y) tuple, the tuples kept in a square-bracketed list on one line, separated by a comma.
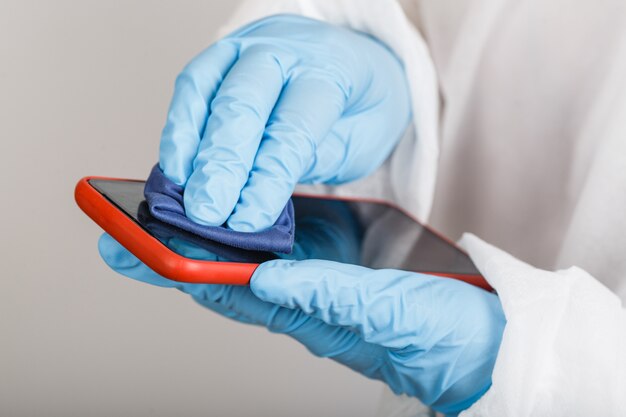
[(338, 294)]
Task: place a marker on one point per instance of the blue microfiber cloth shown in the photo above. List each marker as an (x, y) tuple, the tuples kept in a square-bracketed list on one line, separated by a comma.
[(165, 232), (165, 202)]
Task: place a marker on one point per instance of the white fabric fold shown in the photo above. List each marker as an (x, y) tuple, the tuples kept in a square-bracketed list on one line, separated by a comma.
[(564, 345)]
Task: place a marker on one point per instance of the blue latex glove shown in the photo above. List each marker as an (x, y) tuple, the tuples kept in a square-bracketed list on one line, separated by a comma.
[(283, 100), (429, 337)]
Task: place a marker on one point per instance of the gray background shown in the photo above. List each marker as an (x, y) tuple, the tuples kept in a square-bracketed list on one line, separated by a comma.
[(84, 88)]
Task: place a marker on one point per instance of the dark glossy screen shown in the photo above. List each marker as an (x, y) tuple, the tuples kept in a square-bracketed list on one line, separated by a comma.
[(371, 234)]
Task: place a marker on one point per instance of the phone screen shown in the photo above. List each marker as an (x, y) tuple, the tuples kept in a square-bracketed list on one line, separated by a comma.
[(371, 234)]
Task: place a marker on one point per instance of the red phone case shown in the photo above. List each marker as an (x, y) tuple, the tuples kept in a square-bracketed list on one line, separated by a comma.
[(179, 268)]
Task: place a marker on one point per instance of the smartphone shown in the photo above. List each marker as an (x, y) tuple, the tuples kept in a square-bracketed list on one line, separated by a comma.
[(385, 236)]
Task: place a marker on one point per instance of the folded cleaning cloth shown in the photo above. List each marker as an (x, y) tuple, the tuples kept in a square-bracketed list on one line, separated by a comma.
[(167, 233), (165, 202)]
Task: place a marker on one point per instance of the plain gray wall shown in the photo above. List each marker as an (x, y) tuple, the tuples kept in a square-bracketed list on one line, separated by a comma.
[(84, 89)]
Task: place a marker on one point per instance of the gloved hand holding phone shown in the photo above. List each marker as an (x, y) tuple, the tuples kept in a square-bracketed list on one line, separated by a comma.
[(425, 336)]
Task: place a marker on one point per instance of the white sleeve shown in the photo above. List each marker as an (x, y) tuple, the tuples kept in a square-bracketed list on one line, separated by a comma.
[(413, 164), (563, 351)]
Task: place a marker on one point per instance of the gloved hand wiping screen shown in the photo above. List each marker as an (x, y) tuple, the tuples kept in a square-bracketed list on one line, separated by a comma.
[(283, 100)]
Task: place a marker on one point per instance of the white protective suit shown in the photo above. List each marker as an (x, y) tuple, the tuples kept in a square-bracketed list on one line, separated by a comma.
[(519, 137)]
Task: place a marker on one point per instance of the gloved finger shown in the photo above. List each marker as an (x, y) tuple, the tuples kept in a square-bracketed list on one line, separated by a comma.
[(224, 299), (339, 344), (236, 302), (125, 263), (303, 116), (386, 307), (336, 343), (195, 88), (239, 113), (240, 304)]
